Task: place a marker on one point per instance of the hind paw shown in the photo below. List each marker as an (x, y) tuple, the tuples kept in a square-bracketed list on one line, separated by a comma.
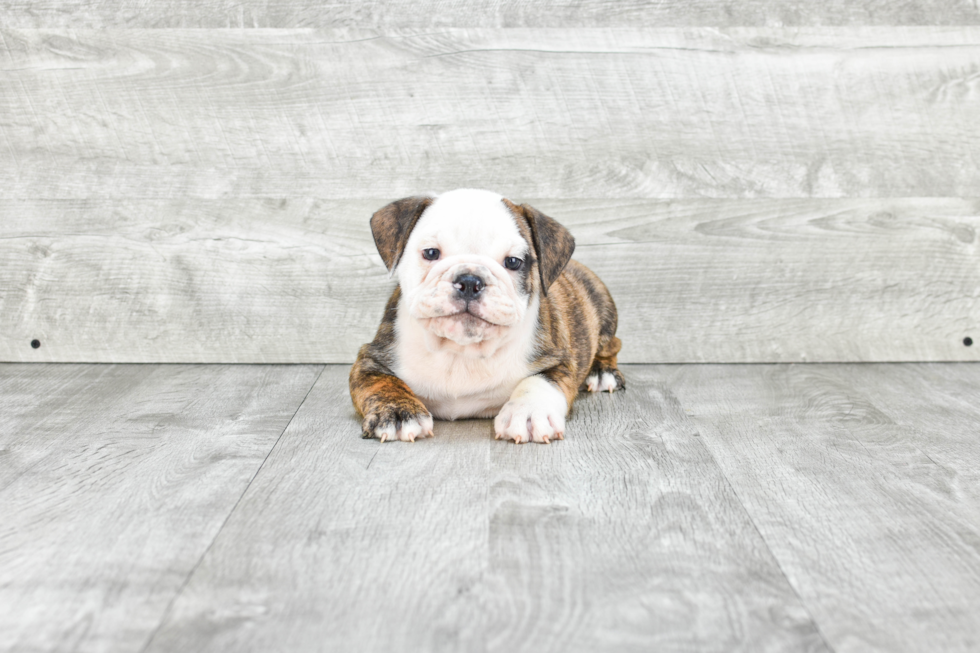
[(605, 381)]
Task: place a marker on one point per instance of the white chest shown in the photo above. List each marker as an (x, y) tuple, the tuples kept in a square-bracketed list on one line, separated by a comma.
[(453, 385)]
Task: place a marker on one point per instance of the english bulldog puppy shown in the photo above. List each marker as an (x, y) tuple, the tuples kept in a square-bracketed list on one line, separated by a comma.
[(490, 317)]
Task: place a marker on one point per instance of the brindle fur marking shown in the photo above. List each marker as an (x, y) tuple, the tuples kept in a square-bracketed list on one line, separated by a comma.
[(577, 319)]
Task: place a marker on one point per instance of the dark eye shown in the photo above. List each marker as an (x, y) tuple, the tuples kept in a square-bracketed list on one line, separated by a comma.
[(513, 263), (430, 254)]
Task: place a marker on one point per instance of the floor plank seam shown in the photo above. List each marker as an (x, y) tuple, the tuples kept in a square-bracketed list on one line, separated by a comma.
[(190, 574), (763, 539)]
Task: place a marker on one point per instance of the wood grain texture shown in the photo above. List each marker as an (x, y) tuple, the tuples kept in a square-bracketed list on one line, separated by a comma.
[(878, 537), (623, 537), (561, 113), (299, 281), (937, 404), (192, 281), (114, 480), (483, 13)]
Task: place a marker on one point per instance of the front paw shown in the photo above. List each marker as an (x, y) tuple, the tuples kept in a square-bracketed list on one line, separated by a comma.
[(392, 422), (536, 412)]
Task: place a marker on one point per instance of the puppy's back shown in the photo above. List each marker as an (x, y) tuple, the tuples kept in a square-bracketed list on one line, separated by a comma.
[(579, 317)]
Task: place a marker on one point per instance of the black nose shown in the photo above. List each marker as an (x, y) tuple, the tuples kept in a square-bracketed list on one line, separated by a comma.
[(469, 285)]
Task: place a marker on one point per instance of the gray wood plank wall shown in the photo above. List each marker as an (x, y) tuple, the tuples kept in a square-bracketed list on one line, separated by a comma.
[(253, 280), (555, 113), (749, 192), (484, 13)]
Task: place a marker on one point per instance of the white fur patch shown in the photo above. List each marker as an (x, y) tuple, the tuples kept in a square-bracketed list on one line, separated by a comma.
[(456, 382), (536, 412), (436, 302), (605, 384)]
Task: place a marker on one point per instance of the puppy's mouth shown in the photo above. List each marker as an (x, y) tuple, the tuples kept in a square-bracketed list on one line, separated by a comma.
[(462, 327), (468, 316)]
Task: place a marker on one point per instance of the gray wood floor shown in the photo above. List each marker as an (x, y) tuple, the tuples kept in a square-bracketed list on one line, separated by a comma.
[(708, 508)]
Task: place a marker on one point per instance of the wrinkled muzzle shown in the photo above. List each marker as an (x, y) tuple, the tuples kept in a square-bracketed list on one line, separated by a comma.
[(467, 299)]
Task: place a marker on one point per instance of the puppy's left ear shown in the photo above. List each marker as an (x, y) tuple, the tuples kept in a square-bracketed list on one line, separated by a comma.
[(553, 244), (392, 225)]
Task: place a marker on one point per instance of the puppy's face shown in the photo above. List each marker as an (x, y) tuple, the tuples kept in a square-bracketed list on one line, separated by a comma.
[(470, 263), (465, 268)]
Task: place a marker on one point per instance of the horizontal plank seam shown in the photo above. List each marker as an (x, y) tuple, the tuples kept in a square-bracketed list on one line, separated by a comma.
[(655, 49), (190, 574), (762, 538), (813, 363)]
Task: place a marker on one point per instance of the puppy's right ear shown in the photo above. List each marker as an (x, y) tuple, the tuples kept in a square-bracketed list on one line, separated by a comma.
[(392, 225)]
